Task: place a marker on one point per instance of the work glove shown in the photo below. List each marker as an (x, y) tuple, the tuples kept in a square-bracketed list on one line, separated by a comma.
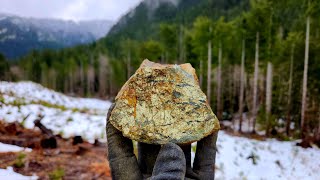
[(156, 162)]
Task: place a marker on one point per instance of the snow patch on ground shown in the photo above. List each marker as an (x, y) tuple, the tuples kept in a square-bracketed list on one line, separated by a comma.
[(29, 92), (11, 175), (273, 159), (87, 117), (12, 148), (68, 116)]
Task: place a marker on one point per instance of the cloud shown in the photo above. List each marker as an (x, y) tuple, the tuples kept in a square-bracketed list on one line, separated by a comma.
[(74, 10), (69, 9)]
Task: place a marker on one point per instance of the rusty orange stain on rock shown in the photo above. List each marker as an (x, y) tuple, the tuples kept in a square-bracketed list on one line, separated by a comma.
[(163, 103)]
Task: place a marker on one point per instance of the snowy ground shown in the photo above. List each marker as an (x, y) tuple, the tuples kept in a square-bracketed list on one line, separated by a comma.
[(9, 174), (274, 159), (77, 116), (12, 148), (26, 101)]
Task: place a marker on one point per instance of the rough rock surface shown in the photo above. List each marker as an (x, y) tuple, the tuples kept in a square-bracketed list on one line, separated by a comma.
[(161, 104)]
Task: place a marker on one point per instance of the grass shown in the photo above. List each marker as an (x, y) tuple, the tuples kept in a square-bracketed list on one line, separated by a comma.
[(69, 119), (18, 102), (19, 162), (194, 149), (21, 102), (56, 174)]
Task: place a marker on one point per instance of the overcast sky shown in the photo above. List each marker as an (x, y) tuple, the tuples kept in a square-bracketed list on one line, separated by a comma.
[(68, 9)]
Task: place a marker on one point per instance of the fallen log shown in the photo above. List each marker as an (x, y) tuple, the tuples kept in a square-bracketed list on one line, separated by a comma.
[(43, 128), (49, 139)]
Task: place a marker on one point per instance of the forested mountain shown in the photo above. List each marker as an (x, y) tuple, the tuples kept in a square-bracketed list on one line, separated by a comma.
[(143, 21), (260, 58), (19, 35)]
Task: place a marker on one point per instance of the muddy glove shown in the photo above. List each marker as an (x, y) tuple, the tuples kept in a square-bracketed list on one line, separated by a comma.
[(156, 162)]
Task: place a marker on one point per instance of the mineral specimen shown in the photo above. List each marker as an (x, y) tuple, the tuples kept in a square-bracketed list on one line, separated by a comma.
[(161, 104)]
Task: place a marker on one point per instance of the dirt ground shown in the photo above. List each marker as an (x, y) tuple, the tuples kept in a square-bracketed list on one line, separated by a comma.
[(71, 159)]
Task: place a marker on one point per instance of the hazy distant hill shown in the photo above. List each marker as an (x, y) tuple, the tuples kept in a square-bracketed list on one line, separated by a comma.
[(19, 35)]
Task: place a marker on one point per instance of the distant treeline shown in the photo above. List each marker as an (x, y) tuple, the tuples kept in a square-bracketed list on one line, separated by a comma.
[(261, 57)]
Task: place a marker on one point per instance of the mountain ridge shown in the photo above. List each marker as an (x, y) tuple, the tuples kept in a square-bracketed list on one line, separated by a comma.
[(19, 35)]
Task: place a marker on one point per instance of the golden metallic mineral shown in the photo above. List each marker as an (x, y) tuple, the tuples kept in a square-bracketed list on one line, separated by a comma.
[(163, 103)]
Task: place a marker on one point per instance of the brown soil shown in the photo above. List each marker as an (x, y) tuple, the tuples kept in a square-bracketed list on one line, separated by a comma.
[(80, 161)]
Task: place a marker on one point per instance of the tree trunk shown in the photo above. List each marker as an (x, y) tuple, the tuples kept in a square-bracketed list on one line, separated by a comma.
[(129, 65), (268, 97), (219, 106), (305, 79), (318, 136), (162, 58), (82, 87), (44, 80), (181, 44), (102, 76), (255, 84), (110, 75), (166, 57), (281, 32), (234, 86), (71, 81), (90, 80), (209, 72), (66, 85), (201, 72), (290, 93), (243, 55), (53, 78)]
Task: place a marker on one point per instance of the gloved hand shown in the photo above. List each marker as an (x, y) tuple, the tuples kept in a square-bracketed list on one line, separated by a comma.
[(169, 162)]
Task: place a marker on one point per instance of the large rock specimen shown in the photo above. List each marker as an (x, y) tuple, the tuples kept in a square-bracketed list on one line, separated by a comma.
[(161, 104)]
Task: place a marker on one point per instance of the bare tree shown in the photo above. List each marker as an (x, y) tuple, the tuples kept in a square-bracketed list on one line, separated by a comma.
[(268, 96), (243, 55), (255, 84), (44, 79), (53, 78), (71, 81), (219, 106), (201, 73), (90, 79), (209, 71), (82, 86), (288, 122), (181, 48), (129, 64), (318, 136), (103, 78), (305, 78)]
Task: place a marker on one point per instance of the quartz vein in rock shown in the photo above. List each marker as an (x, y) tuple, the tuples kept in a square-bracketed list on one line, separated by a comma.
[(161, 104)]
